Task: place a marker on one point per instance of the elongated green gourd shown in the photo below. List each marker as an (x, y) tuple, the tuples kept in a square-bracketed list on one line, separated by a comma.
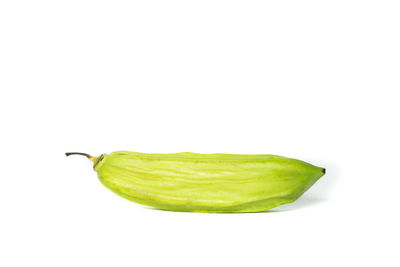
[(205, 182)]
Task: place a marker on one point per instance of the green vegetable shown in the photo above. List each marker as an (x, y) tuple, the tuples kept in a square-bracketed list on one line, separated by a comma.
[(205, 182)]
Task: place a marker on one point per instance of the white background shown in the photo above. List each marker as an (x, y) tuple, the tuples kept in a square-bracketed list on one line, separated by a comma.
[(314, 80)]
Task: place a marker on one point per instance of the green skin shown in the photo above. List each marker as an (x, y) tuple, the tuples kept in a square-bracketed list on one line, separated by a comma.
[(206, 182)]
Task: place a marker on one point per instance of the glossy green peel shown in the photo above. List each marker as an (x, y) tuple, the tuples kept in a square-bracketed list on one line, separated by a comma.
[(205, 182)]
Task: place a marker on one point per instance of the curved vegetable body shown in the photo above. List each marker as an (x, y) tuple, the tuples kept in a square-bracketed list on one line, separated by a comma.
[(206, 182)]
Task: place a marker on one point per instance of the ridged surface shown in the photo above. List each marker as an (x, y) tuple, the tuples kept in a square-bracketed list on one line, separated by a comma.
[(207, 182)]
